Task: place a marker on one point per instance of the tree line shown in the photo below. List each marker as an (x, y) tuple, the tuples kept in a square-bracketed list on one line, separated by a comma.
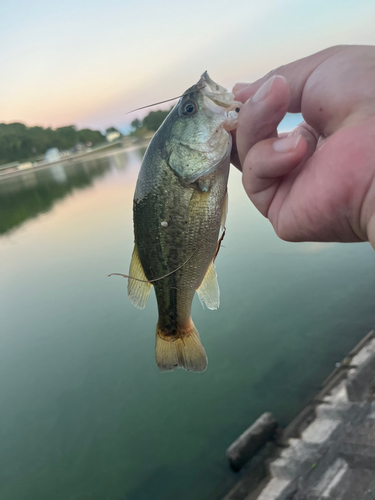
[(150, 123), (19, 142)]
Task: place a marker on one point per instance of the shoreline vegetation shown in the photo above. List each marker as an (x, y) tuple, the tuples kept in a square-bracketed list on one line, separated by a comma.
[(23, 148)]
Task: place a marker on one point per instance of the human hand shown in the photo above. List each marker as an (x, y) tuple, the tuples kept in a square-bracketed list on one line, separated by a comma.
[(316, 183)]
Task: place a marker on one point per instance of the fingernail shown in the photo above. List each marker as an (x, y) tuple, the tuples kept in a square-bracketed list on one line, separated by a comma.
[(263, 91), (286, 144), (240, 86)]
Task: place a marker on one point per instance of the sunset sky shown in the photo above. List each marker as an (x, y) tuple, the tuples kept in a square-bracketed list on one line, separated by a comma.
[(89, 62)]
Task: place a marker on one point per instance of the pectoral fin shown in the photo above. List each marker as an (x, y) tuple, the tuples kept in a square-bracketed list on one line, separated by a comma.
[(208, 292), (138, 291)]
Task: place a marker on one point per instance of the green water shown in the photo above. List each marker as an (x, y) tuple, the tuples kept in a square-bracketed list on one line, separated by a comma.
[(85, 414)]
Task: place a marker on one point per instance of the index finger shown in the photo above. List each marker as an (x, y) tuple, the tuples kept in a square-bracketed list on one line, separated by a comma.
[(296, 74)]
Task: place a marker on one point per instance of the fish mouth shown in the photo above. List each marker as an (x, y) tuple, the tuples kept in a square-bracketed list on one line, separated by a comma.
[(217, 94), (217, 101)]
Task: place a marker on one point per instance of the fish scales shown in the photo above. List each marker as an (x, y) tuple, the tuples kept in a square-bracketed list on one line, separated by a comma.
[(191, 236), (177, 217)]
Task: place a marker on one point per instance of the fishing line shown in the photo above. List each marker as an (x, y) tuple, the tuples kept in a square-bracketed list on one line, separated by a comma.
[(161, 102), (172, 272), (156, 279), (219, 244)]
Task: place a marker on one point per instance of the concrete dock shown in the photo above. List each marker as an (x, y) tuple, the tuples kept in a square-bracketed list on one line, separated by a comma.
[(328, 450)]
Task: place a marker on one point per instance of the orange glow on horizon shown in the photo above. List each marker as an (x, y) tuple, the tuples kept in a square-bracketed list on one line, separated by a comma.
[(72, 65)]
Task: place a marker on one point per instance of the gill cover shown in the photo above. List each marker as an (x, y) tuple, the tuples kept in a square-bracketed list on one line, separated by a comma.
[(200, 141)]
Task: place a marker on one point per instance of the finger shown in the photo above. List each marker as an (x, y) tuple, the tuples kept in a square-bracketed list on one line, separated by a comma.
[(234, 159), (266, 163), (272, 161), (295, 73), (259, 116)]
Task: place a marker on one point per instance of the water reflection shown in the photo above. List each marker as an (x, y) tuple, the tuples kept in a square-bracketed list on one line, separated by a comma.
[(31, 193), (85, 411), (58, 173)]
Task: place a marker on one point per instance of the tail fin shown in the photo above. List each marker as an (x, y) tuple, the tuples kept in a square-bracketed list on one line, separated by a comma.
[(184, 350)]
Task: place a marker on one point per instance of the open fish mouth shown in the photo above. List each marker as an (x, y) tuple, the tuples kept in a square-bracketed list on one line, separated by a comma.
[(217, 100), (216, 95)]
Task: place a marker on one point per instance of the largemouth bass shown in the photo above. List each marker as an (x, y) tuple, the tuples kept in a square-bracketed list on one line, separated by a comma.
[(180, 202)]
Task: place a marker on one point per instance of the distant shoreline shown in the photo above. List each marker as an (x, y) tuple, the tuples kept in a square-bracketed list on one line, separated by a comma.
[(101, 152)]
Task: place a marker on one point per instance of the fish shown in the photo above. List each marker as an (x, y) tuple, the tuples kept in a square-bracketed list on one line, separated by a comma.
[(179, 206)]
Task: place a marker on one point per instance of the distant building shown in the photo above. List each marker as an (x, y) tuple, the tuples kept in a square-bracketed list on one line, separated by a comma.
[(112, 136), (52, 154)]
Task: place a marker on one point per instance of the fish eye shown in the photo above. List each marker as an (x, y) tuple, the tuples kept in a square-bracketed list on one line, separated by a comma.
[(189, 108)]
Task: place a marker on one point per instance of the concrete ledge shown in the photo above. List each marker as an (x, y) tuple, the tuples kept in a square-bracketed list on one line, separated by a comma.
[(328, 450), (362, 378), (279, 489), (331, 479), (320, 432)]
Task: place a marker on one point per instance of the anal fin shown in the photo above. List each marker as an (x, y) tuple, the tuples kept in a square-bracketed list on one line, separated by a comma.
[(208, 292), (138, 291)]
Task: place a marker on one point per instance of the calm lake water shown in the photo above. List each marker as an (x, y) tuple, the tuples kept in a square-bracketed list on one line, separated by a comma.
[(85, 413)]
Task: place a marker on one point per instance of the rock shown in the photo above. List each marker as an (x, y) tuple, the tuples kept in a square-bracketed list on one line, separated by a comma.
[(250, 442)]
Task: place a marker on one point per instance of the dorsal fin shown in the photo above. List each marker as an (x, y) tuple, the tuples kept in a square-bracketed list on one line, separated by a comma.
[(208, 292), (138, 291)]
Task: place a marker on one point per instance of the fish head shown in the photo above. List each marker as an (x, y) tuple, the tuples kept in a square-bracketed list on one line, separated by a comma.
[(198, 129)]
